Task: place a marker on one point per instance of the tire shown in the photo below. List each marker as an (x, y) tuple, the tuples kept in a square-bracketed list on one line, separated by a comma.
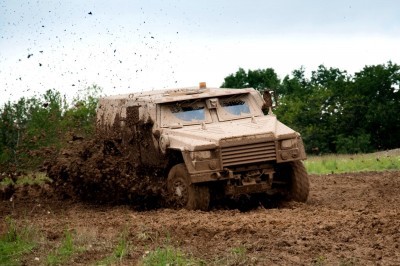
[(299, 185), (183, 194)]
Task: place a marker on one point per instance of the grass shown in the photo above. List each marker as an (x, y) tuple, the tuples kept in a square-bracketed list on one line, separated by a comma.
[(34, 178), (119, 253), (235, 256), (6, 182), (64, 252), (328, 164), (169, 255), (38, 178), (15, 242), (239, 253)]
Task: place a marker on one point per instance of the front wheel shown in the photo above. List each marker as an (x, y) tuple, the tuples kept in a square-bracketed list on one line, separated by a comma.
[(183, 194), (295, 177), (299, 183)]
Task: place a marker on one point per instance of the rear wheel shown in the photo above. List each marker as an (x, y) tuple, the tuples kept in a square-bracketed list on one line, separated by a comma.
[(183, 194)]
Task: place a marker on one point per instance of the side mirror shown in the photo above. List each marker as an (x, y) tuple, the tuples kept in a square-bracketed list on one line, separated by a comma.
[(270, 100)]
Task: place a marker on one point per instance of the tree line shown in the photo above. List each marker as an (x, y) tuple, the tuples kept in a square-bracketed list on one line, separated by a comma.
[(335, 112), (32, 129)]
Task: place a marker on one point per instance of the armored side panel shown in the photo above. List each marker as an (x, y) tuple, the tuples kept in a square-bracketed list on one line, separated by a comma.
[(130, 120)]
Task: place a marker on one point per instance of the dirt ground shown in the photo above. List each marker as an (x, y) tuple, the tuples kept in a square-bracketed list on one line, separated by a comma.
[(349, 219)]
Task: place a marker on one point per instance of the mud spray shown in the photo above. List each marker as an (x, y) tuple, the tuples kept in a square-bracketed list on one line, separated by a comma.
[(103, 170)]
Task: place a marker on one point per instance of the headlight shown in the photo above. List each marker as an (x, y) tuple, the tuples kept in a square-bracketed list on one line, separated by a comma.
[(288, 144), (200, 155)]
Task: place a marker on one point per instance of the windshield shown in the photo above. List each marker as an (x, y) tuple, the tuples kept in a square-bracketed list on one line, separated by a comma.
[(235, 107), (188, 113), (185, 113), (197, 111)]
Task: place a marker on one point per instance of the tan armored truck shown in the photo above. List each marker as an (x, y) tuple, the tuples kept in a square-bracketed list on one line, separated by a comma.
[(209, 141)]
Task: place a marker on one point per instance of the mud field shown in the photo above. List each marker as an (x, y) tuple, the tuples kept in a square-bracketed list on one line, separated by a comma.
[(350, 219)]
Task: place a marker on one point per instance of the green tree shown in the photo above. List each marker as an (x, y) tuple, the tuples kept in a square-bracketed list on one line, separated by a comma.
[(313, 106), (335, 112), (372, 105), (81, 117), (258, 79), (32, 128), (237, 80), (29, 125), (13, 120)]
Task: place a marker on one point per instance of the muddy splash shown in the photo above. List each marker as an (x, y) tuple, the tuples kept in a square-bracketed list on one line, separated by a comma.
[(104, 171)]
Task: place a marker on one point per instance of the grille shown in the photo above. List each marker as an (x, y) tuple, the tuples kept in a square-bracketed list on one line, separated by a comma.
[(248, 153)]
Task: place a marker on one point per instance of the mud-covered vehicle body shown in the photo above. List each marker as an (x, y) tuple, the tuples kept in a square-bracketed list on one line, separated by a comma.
[(209, 142)]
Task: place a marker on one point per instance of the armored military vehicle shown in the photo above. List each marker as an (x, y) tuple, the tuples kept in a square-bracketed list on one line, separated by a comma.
[(208, 142)]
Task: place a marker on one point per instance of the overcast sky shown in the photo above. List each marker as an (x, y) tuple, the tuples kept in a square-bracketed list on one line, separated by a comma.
[(129, 46)]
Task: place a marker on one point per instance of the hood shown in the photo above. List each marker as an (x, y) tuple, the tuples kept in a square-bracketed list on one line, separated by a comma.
[(208, 136)]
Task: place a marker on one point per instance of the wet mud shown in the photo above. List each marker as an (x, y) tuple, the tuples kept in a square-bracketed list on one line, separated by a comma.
[(349, 219)]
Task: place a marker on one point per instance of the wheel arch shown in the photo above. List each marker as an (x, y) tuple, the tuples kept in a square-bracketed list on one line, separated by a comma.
[(174, 157)]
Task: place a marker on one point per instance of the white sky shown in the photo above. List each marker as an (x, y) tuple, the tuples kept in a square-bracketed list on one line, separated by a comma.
[(129, 46)]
